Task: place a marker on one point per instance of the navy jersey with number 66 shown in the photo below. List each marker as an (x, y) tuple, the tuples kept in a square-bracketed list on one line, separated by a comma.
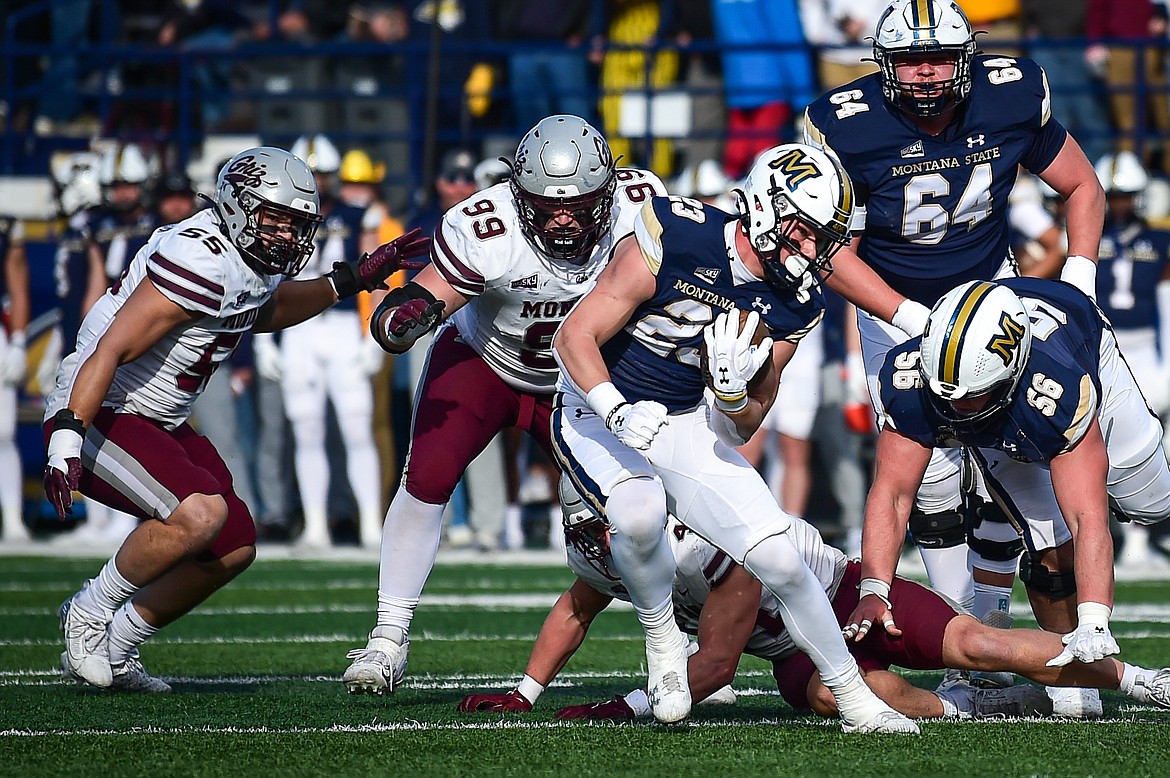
[(1057, 397), (687, 245)]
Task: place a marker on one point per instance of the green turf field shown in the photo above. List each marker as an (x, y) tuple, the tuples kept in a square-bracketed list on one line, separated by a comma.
[(256, 674)]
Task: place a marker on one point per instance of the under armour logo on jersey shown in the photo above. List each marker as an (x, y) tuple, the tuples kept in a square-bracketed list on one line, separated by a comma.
[(761, 306), (707, 274), (976, 140)]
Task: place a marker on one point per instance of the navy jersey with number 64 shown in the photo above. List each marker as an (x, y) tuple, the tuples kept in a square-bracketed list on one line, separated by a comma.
[(937, 206), (1055, 402), (687, 245)]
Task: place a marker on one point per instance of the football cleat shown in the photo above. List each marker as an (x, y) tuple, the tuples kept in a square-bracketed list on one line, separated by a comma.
[(1020, 701), (888, 722), (667, 686), (1075, 703), (952, 679), (724, 696), (1158, 689), (131, 676), (87, 647), (985, 679), (379, 667)]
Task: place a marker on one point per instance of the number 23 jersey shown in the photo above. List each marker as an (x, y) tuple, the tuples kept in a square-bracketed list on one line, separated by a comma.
[(936, 207), (1058, 395), (518, 296)]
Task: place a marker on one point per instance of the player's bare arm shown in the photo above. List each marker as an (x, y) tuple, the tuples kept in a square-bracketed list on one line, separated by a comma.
[(1071, 174), (901, 463), (560, 636), (1078, 478), (16, 275), (622, 286), (725, 625), (857, 282)]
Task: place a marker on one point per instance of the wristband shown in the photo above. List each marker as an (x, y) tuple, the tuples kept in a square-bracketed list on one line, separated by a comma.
[(910, 317), (17, 338), (604, 399), (1093, 614), (876, 587), (1081, 272), (529, 689)]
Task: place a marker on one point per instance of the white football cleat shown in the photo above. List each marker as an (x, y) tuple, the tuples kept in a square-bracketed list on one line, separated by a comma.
[(1158, 689), (888, 722), (87, 646), (131, 676), (1075, 703), (379, 667), (667, 685), (1021, 701), (724, 696)]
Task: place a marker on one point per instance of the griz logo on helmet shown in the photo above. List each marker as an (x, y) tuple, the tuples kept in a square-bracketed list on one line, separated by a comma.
[(245, 171)]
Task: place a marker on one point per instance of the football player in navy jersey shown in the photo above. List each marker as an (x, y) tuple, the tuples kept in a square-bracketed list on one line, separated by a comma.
[(633, 430), (933, 142), (1026, 374)]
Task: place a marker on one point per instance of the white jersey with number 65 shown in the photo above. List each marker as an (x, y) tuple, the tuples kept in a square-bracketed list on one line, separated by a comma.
[(518, 295)]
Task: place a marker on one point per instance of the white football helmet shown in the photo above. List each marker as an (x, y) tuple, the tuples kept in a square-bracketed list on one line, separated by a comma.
[(584, 529), (977, 341), (318, 152), (1122, 173), (124, 163), (564, 164), (262, 195), (75, 179), (789, 184), (918, 27)]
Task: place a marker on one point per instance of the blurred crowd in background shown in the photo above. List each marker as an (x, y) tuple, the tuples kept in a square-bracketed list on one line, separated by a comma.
[(125, 110)]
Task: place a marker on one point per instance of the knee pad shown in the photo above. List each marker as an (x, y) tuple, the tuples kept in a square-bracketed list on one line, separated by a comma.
[(938, 530), (994, 550), (636, 508), (776, 562), (1038, 578)]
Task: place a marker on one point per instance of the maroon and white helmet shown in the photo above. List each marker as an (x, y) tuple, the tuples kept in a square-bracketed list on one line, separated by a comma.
[(584, 529)]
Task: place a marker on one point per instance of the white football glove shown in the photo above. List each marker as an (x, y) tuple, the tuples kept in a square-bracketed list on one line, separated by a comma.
[(732, 359), (369, 357), (15, 360), (1091, 641), (910, 317), (269, 361), (636, 424)]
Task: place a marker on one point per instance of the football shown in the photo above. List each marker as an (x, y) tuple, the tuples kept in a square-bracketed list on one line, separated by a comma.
[(758, 336)]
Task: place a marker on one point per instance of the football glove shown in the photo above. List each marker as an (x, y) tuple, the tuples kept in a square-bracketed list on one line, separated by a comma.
[(63, 470), (15, 360), (510, 702), (1091, 640), (411, 320), (617, 708), (370, 271), (637, 424), (732, 360)]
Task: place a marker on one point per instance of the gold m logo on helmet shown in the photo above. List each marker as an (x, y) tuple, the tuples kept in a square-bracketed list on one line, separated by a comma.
[(1006, 342), (796, 166)]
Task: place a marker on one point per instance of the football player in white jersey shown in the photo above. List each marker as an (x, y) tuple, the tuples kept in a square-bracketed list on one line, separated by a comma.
[(731, 614), (13, 361), (116, 422), (507, 265)]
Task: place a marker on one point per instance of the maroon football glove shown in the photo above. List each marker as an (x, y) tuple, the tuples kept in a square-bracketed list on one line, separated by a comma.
[(610, 709), (417, 314), (512, 702), (371, 270), (63, 471)]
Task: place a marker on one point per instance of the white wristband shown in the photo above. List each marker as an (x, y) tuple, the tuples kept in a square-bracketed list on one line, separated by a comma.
[(530, 689), (17, 338), (877, 587), (910, 317), (1081, 272), (1093, 614), (603, 398), (64, 444)]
